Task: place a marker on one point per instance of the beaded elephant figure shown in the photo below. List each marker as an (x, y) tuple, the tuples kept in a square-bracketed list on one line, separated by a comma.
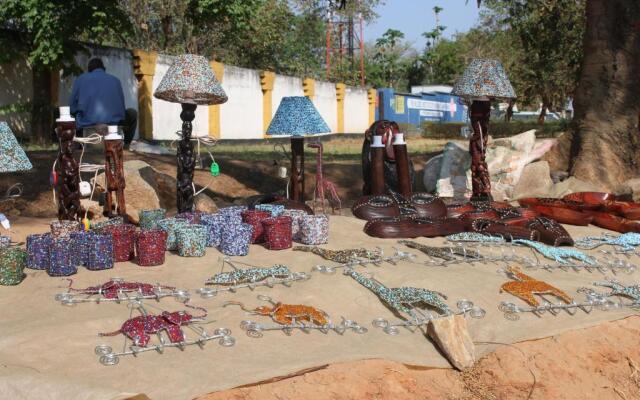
[(139, 329)]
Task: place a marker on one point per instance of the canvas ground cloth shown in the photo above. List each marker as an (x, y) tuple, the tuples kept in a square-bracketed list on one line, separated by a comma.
[(47, 350)]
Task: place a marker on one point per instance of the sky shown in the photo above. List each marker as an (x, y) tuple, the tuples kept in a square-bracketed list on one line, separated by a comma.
[(412, 17)]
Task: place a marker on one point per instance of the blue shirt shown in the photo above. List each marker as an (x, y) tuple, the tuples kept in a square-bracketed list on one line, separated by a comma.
[(97, 98)]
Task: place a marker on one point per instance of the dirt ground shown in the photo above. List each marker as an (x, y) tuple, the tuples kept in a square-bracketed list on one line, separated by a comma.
[(602, 362)]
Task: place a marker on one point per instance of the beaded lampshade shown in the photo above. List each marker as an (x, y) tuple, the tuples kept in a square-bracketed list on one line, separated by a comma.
[(484, 78), (12, 156), (297, 116), (190, 80)]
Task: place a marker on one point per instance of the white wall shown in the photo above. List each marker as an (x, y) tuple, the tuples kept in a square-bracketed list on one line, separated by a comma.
[(356, 110), (166, 115), (284, 86), (326, 103), (241, 115)]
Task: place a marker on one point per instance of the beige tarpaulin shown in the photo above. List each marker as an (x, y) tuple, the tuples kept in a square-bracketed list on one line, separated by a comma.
[(47, 350)]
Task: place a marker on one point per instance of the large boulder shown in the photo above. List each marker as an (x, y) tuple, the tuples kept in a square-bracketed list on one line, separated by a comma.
[(535, 181), (572, 185), (630, 188), (432, 173), (506, 159)]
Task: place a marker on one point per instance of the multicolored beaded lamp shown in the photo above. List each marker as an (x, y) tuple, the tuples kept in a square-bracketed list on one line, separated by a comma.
[(481, 82), (189, 81), (12, 156), (297, 116)]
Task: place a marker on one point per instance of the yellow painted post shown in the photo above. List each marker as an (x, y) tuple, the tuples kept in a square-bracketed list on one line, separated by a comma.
[(267, 78), (214, 110), (144, 66), (309, 87), (372, 94), (340, 92)]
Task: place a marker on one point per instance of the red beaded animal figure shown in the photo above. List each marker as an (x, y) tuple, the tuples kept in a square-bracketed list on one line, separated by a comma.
[(140, 328), (110, 289), (323, 184)]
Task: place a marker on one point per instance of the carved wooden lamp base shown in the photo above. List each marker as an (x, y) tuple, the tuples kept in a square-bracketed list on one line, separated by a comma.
[(186, 160), (480, 179)]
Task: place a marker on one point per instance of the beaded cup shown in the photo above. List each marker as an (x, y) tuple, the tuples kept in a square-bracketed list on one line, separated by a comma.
[(12, 263), (100, 254), (79, 254), (170, 225), (232, 214), (98, 226), (236, 239), (296, 218), (149, 218), (64, 228), (255, 219), (123, 241), (192, 217), (314, 229), (213, 223), (277, 233), (38, 250), (274, 209), (192, 240), (5, 241), (60, 258), (150, 247)]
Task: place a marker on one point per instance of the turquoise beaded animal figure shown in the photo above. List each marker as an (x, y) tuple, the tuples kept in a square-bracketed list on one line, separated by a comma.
[(556, 253), (249, 275), (618, 289), (628, 241), (402, 299)]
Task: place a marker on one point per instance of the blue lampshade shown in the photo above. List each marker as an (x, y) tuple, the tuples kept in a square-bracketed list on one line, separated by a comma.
[(484, 78), (297, 116), (12, 156)]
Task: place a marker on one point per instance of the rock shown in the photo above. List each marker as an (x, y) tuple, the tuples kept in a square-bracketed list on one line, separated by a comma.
[(629, 189), (452, 337), (535, 181), (431, 173), (523, 142), (204, 203), (559, 176), (140, 192), (572, 185), (452, 181)]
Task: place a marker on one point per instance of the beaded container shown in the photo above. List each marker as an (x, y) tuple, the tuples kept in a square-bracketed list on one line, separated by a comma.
[(150, 247), (192, 240), (296, 217), (277, 233), (118, 220), (64, 228), (123, 241), (170, 225), (233, 214), (79, 254), (148, 219), (236, 239), (255, 219), (12, 263), (314, 229), (274, 209), (5, 241), (213, 223), (192, 217), (100, 254), (60, 258), (38, 250)]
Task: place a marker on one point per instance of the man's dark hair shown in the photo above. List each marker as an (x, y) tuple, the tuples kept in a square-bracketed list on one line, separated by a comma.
[(95, 63)]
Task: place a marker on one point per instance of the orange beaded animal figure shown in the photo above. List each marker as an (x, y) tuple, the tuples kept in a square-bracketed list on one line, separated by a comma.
[(286, 314), (524, 287)]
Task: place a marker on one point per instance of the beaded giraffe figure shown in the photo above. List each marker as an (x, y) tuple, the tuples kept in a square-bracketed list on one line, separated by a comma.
[(323, 184)]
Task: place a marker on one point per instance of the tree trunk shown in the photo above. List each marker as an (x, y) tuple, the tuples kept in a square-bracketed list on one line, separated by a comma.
[(603, 146), (542, 115), (41, 111), (509, 114)]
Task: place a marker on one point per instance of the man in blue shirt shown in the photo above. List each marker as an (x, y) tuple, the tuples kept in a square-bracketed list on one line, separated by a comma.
[(97, 99)]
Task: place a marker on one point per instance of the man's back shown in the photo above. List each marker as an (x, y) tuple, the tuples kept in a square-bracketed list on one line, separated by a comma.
[(97, 98)]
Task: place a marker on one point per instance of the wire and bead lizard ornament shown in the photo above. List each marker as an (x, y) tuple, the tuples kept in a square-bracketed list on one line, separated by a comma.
[(625, 243), (118, 290), (355, 257), (618, 289), (250, 278), (409, 300), (170, 326), (288, 317)]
